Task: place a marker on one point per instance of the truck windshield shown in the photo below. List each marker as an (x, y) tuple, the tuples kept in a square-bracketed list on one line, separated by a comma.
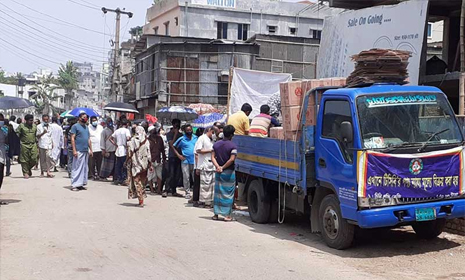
[(393, 120)]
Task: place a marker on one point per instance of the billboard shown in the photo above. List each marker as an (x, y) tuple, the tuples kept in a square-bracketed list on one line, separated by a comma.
[(398, 27), (216, 3)]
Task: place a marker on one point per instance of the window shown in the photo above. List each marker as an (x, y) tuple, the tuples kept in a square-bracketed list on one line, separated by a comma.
[(430, 30), (176, 21), (272, 29), (315, 34), (292, 30), (155, 30), (167, 28), (222, 30), (336, 112), (242, 32)]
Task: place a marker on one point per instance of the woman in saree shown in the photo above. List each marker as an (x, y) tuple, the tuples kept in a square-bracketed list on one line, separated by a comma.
[(139, 162)]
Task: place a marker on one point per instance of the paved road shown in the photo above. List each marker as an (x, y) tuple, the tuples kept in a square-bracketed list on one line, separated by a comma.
[(49, 232)]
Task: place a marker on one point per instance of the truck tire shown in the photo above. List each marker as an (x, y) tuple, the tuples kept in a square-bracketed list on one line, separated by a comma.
[(258, 202), (335, 230), (429, 229)]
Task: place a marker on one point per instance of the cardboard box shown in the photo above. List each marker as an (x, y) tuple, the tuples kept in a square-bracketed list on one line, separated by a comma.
[(291, 117), (291, 93), (292, 135), (277, 132), (338, 82)]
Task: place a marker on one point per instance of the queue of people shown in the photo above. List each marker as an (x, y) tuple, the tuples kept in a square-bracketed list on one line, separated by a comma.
[(140, 157)]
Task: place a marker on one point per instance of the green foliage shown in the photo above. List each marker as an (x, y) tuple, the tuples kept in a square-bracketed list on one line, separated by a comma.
[(136, 31), (44, 96), (9, 80), (67, 77)]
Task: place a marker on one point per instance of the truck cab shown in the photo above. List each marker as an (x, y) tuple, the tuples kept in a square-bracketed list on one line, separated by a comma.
[(382, 155)]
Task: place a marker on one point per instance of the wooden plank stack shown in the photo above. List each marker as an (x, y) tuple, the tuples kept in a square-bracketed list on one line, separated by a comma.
[(292, 94), (379, 66)]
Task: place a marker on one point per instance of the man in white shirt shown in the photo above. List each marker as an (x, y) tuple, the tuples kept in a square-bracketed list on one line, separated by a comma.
[(44, 136), (57, 141), (120, 138), (95, 161), (203, 149)]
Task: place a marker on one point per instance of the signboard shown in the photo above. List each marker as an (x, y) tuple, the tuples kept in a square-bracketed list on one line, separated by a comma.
[(428, 175), (399, 27), (216, 3)]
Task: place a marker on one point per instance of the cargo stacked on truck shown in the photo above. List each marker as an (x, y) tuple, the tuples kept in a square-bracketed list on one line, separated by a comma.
[(378, 155)]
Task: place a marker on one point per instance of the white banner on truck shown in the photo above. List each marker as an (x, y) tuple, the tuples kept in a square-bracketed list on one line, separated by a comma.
[(399, 27), (255, 88)]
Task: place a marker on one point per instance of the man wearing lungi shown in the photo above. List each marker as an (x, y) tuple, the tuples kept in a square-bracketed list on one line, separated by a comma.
[(82, 149)]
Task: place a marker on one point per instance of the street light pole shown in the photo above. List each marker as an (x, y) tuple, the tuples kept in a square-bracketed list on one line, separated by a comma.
[(115, 84)]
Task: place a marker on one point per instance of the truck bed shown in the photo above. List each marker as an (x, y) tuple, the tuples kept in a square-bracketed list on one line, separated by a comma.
[(273, 159)]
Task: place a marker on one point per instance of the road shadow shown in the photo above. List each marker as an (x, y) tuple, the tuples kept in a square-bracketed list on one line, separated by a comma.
[(5, 202), (131, 205), (368, 243)]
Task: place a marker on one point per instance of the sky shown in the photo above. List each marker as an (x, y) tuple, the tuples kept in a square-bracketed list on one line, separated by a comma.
[(45, 33)]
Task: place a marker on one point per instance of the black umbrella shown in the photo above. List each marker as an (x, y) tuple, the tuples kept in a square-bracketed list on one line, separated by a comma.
[(121, 107), (10, 102)]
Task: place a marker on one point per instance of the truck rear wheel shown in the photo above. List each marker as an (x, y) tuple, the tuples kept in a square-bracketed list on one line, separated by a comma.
[(258, 202), (335, 230), (429, 229)]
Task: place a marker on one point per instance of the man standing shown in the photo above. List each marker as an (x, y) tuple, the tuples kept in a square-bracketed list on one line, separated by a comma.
[(44, 137), (57, 141), (13, 123), (108, 151), (95, 161), (174, 164), (28, 140), (223, 157), (205, 168), (187, 157), (120, 138), (3, 154), (157, 152), (240, 120), (72, 122), (82, 149)]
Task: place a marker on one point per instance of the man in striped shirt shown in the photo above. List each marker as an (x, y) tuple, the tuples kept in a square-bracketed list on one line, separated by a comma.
[(261, 123)]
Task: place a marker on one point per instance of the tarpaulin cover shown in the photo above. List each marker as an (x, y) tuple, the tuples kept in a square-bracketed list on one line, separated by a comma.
[(255, 88)]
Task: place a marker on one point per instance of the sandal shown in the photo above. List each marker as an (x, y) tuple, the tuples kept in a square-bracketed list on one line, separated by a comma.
[(164, 195), (215, 218), (229, 219), (50, 176)]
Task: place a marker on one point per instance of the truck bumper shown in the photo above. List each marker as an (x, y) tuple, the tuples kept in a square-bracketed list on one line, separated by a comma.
[(388, 216)]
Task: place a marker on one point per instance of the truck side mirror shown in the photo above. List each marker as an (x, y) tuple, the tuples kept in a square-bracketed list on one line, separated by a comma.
[(347, 132)]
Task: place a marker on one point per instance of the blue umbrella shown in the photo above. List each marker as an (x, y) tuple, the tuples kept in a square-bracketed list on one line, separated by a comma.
[(89, 111), (208, 120), (177, 112), (9, 102)]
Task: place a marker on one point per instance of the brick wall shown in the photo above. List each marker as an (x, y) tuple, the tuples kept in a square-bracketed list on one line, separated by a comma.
[(456, 226)]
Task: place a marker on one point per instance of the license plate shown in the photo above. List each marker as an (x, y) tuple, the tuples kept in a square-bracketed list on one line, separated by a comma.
[(425, 214)]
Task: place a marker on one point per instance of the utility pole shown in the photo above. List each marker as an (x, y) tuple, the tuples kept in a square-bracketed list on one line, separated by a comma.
[(115, 83)]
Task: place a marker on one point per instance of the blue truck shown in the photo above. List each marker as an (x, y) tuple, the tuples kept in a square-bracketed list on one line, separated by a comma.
[(380, 155)]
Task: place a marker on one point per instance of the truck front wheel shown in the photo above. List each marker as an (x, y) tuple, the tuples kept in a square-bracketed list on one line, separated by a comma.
[(336, 231), (429, 229), (258, 202)]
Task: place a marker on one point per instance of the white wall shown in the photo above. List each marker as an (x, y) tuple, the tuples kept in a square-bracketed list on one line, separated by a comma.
[(437, 31)]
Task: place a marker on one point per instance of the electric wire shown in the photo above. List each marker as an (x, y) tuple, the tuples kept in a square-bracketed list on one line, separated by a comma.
[(60, 20), (48, 46), (84, 5), (38, 64), (46, 41), (83, 45)]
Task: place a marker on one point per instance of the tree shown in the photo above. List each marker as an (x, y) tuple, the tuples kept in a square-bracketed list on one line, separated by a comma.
[(67, 77), (136, 31), (44, 95), (67, 80)]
